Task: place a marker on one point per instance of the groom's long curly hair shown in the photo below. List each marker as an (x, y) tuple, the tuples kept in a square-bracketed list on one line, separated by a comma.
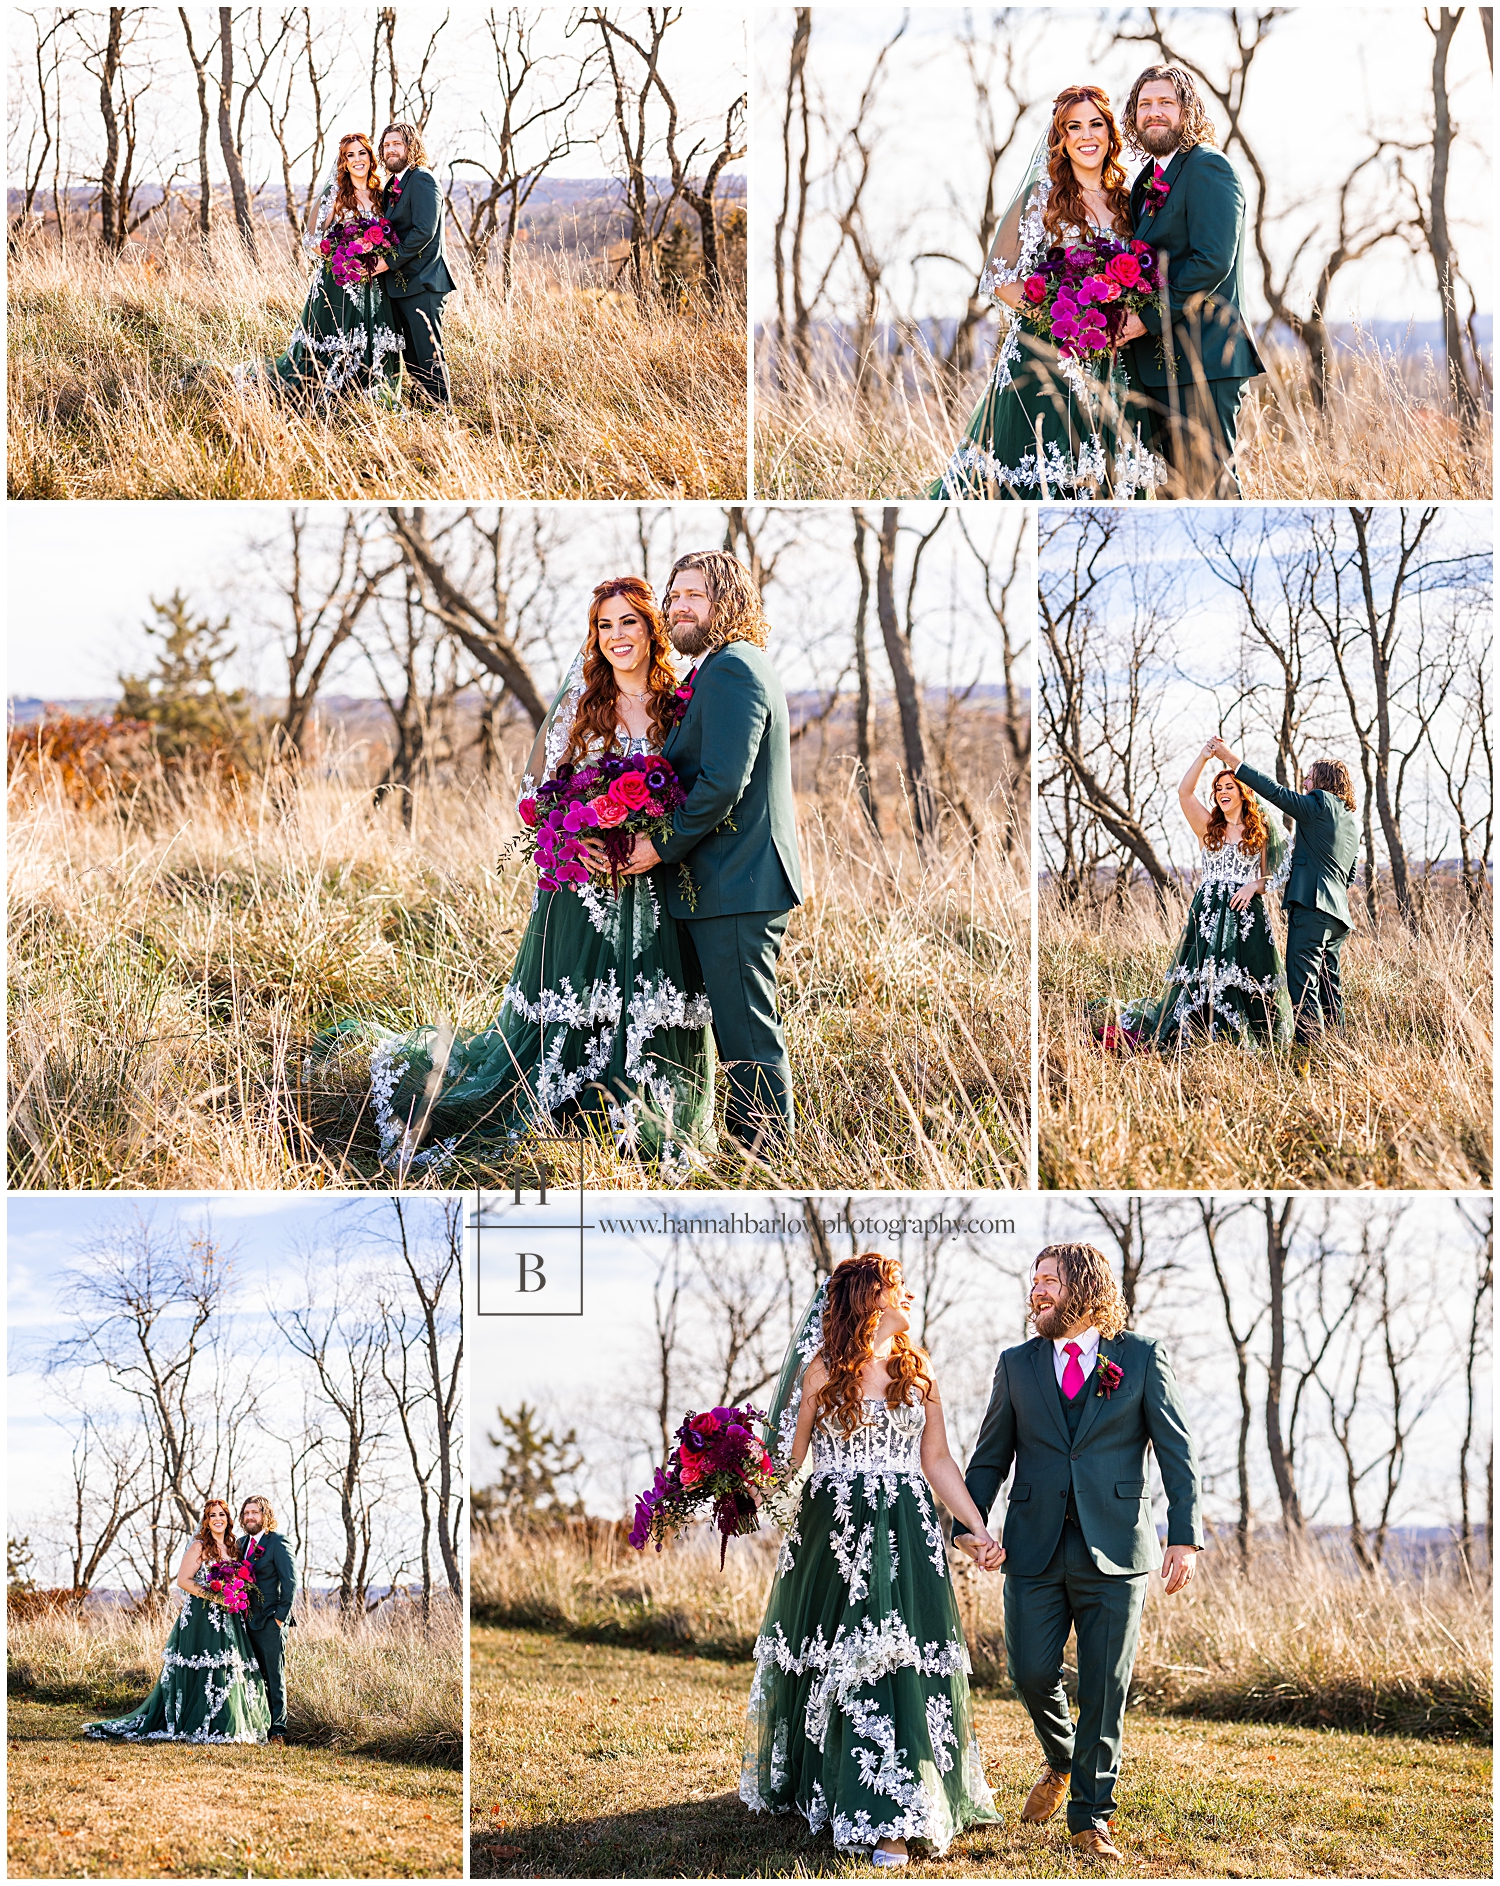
[(1332, 776), (857, 1293), (595, 724), (416, 150), (1093, 1295), (1252, 820), (1196, 128), (736, 613), (1065, 204)]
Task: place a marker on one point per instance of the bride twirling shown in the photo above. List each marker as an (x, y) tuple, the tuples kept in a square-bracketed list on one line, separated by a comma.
[(859, 1711), (602, 1014), (1042, 428)]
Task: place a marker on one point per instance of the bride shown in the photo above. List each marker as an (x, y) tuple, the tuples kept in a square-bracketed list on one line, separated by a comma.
[(1089, 441), (210, 1688), (859, 1710), (1227, 977), (601, 1015), (346, 338)]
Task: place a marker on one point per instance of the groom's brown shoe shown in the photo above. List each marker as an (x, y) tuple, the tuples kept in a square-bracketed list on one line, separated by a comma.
[(1096, 1841), (277, 1738), (1046, 1797)]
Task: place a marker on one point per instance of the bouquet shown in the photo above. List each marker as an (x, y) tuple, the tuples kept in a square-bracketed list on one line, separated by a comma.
[(717, 1462), (354, 245), (226, 1582), (1081, 294), (608, 800)]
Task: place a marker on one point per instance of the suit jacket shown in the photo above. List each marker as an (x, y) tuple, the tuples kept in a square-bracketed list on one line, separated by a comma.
[(1201, 229), (732, 752), (1105, 1463), (275, 1580), (1326, 854), (415, 214)]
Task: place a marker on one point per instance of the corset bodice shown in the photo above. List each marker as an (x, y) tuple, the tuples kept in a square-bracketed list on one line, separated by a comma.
[(889, 1440), (1228, 865)]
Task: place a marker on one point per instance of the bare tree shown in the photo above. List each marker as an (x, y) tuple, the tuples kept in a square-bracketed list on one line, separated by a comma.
[(864, 781), (43, 136), (231, 146), (1213, 1218), (909, 702), (1000, 585), (796, 123), (645, 206), (701, 197), (1145, 1260), (108, 1472), (200, 75), (121, 87), (1280, 1436), (1480, 1222)]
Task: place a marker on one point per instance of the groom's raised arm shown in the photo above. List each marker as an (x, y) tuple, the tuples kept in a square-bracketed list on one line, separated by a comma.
[(993, 1451), (1214, 227), (1296, 805), (1172, 1442), (735, 706)]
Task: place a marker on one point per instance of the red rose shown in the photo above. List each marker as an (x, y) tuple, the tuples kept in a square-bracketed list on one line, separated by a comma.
[(704, 1424), (693, 1469), (529, 814), (1036, 288), (1141, 248), (610, 812), (631, 791), (1124, 269)]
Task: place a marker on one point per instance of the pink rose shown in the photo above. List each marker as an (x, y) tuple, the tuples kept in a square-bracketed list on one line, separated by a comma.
[(1036, 288), (1141, 248), (1124, 269), (611, 812), (631, 791)]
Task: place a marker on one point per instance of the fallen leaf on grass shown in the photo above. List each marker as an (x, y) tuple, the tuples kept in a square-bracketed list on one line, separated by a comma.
[(506, 1853)]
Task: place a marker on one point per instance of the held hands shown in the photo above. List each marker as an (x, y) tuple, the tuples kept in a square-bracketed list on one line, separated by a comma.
[(1177, 1567), (643, 855), (1222, 753), (987, 1553), (1133, 330), (1246, 894)]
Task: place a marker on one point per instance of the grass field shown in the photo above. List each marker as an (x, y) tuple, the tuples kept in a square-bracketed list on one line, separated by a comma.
[(1386, 434), (171, 963), (560, 389), (592, 1761), (1402, 1099), (169, 1811)]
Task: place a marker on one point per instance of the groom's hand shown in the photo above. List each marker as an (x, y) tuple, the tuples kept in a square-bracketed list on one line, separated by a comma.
[(1177, 1567), (643, 856), (1133, 330)]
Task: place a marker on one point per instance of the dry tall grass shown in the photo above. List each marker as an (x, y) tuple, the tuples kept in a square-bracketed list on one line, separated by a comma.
[(1386, 434), (1402, 1099), (1300, 1638), (561, 390), (386, 1686), (172, 960)]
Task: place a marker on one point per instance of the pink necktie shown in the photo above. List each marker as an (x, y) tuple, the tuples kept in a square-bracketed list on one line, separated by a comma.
[(1072, 1377)]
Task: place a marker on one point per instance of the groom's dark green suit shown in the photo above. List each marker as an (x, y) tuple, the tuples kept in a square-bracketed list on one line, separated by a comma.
[(417, 279), (737, 834), (1080, 1541), (1200, 229), (270, 1609), (1316, 899)]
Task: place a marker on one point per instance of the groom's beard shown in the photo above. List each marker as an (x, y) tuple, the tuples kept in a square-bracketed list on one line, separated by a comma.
[(689, 639), (1054, 1322), (1159, 141)]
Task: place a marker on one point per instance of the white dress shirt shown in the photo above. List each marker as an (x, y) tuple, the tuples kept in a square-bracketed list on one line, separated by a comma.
[(1088, 1352)]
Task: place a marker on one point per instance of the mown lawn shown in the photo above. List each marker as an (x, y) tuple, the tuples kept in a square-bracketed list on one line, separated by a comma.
[(594, 1762)]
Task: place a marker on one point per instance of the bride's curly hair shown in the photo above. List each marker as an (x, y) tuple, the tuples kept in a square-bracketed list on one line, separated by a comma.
[(1253, 832), (596, 722), (857, 1294), (1065, 202), (343, 196), (205, 1537)]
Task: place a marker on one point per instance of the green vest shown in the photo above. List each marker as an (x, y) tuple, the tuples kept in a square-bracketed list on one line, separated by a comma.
[(1073, 1417)]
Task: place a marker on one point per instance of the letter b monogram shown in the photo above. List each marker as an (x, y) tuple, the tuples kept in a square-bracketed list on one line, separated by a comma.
[(529, 1265)]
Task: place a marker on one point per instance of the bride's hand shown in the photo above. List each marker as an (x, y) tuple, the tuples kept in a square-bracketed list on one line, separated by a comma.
[(1247, 894), (1011, 293)]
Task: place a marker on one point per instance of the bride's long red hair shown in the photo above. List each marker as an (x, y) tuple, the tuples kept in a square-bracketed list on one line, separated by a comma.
[(857, 1293), (1065, 202), (598, 716), (344, 197)]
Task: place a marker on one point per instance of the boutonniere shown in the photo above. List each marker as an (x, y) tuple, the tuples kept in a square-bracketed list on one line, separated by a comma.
[(1158, 190), (681, 697), (1110, 1376), (396, 186)]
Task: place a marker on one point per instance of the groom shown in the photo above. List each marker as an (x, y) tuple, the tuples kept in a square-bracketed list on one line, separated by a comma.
[(1075, 1410), (1193, 214), (271, 1598), (732, 752), (1316, 899), (417, 277)]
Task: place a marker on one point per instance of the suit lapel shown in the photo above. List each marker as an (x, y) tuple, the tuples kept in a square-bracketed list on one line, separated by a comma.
[(1095, 1400), (697, 674), (1169, 176), (1046, 1381)]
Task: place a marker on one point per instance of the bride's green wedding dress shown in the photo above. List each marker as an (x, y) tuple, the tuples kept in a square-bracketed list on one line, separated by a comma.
[(210, 1688), (859, 1711), (603, 1017), (1090, 445), (345, 340)]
